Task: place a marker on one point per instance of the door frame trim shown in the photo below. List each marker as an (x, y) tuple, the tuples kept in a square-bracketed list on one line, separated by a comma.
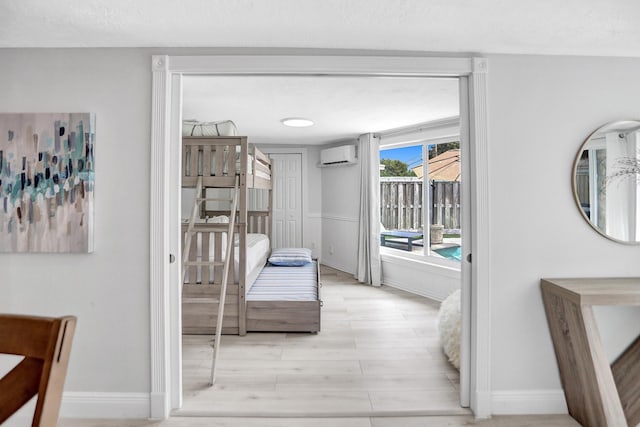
[(166, 75)]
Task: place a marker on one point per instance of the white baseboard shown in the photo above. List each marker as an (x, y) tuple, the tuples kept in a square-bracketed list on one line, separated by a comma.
[(422, 292), (137, 405), (159, 405), (481, 404), (512, 402), (336, 265), (105, 405)]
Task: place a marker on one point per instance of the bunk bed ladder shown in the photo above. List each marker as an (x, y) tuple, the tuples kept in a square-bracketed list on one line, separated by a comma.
[(191, 231), (225, 275)]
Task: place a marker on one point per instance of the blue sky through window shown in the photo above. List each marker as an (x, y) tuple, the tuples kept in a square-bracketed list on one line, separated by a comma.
[(412, 156)]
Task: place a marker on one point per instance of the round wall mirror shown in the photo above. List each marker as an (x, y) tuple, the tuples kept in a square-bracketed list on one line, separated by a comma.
[(606, 181)]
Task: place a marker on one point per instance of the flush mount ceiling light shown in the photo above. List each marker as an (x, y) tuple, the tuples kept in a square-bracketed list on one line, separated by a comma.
[(297, 122)]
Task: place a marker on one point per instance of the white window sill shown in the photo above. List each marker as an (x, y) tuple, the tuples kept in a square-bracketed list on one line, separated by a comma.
[(397, 256)]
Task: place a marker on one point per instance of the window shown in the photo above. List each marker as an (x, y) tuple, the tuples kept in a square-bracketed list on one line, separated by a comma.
[(409, 175), (591, 175)]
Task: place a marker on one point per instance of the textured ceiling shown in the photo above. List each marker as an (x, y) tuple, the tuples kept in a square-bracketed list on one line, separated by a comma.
[(342, 107), (575, 27)]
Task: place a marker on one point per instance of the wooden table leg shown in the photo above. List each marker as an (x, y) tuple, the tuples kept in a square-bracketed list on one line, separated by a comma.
[(626, 374), (587, 380)]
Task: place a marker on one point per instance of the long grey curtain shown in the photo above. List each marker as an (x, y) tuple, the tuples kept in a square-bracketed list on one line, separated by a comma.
[(368, 269)]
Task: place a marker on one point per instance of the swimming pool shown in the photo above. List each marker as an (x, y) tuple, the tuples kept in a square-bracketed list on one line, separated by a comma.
[(454, 252)]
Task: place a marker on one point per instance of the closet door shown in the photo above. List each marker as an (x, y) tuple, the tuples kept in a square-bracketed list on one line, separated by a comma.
[(287, 200)]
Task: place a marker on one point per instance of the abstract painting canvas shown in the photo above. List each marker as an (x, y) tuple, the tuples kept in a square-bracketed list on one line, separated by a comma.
[(47, 182)]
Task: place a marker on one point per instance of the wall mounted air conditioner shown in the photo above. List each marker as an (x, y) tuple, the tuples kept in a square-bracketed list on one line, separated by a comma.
[(336, 156)]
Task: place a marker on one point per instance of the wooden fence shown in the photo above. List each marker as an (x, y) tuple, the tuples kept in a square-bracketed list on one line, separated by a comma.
[(401, 203)]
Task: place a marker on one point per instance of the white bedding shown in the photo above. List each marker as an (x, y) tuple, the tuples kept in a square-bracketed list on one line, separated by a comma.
[(286, 284), (263, 175), (259, 173), (258, 249), (220, 128)]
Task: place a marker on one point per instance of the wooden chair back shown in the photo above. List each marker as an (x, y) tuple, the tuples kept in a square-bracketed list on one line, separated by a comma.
[(45, 343)]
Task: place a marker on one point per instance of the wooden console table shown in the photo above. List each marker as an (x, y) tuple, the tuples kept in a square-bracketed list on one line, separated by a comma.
[(597, 394)]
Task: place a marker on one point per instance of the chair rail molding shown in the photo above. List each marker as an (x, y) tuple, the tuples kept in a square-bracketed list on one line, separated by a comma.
[(362, 64), (340, 218)]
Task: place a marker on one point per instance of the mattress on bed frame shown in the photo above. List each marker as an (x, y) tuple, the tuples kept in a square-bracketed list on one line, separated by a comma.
[(285, 299), (200, 300)]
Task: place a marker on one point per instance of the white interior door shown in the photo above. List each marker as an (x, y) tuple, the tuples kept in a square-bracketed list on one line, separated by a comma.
[(287, 200)]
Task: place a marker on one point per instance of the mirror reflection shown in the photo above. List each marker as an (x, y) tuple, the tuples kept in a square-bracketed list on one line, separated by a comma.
[(606, 180)]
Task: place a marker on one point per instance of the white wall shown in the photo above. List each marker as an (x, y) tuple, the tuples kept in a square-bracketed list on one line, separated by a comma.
[(107, 290), (313, 197), (420, 277), (541, 109), (340, 212)]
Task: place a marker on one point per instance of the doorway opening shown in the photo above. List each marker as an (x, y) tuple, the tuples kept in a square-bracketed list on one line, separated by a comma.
[(360, 324), (168, 89)]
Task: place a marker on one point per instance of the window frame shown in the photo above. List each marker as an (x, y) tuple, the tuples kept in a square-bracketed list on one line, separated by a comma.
[(425, 257)]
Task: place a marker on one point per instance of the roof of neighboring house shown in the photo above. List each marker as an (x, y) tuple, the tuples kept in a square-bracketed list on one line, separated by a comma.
[(443, 167)]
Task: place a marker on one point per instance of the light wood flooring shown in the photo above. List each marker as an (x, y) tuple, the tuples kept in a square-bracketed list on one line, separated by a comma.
[(377, 354), (376, 357), (433, 421)]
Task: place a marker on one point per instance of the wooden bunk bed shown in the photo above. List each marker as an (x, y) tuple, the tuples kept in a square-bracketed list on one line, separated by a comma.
[(219, 162)]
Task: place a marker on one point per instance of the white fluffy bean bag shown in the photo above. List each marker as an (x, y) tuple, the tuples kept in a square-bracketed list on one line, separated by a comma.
[(449, 327)]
